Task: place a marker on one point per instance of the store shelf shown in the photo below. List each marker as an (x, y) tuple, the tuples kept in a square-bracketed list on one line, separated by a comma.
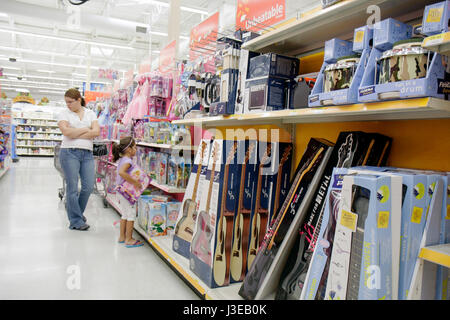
[(439, 43), (43, 132), (45, 139), (37, 125), (163, 246), (36, 154), (439, 254), (42, 119), (422, 108), (25, 146), (166, 188), (165, 146), (338, 21)]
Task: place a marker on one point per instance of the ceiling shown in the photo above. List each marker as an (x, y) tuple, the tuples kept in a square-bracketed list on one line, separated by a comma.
[(55, 48)]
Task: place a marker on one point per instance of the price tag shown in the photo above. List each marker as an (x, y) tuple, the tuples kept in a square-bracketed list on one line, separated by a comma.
[(383, 219), (349, 220), (416, 216)]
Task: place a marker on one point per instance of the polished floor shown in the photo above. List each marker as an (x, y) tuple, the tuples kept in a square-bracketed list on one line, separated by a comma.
[(40, 258)]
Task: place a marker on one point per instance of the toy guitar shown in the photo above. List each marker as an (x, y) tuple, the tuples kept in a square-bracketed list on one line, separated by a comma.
[(202, 239), (241, 228), (184, 227), (256, 238), (224, 232), (286, 154)]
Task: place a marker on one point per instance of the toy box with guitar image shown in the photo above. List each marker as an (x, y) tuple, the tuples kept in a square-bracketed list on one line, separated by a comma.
[(273, 185), (351, 149), (184, 227), (264, 273), (213, 235)]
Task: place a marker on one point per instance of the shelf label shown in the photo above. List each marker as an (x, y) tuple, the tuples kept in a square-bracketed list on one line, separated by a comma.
[(366, 91)]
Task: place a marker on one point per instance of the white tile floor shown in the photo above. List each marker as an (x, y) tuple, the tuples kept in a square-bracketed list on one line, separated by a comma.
[(40, 258)]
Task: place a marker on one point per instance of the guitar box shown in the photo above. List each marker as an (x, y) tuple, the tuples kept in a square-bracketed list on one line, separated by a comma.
[(186, 222), (264, 274), (351, 149), (367, 238), (244, 212), (210, 252)]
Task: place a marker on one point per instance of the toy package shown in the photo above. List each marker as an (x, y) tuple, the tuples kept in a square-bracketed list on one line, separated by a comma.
[(156, 225), (162, 162), (172, 211), (128, 190)]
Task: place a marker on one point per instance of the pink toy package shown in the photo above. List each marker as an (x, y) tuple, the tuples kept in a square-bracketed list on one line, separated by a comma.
[(129, 191)]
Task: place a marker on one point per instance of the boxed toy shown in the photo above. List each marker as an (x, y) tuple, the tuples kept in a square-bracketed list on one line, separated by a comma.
[(398, 66), (172, 211), (273, 65), (344, 64), (128, 190), (265, 271), (272, 187), (156, 223), (244, 213), (351, 149), (185, 224), (367, 238), (435, 18), (242, 77), (265, 94), (213, 236)]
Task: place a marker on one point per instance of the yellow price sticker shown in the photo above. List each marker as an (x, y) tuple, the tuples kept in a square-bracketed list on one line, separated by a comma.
[(349, 220), (416, 216), (383, 219), (447, 217), (435, 15), (359, 36)]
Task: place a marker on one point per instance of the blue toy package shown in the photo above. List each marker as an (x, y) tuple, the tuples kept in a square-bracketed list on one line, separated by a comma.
[(273, 65), (435, 18), (398, 67), (367, 237), (265, 94), (342, 71)]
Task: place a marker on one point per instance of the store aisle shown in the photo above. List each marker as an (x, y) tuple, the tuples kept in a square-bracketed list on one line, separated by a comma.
[(40, 258)]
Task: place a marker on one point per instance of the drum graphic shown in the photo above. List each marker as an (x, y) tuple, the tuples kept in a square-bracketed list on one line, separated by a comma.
[(407, 60), (340, 75)]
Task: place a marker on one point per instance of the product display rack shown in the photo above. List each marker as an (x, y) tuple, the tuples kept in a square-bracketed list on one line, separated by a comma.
[(6, 126), (302, 37), (37, 123)]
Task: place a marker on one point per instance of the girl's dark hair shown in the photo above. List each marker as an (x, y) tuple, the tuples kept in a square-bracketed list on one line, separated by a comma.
[(119, 148), (75, 94)]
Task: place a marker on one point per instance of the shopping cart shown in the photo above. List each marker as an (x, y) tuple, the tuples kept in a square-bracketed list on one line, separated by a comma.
[(100, 176)]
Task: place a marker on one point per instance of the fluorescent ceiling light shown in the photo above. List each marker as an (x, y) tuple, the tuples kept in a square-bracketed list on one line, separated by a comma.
[(35, 82), (45, 71), (79, 74), (193, 10), (51, 91), (95, 43), (22, 90), (3, 15), (34, 87), (101, 52), (185, 38), (12, 68), (41, 77)]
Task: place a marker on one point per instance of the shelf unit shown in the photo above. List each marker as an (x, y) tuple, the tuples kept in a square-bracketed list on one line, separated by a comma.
[(338, 21), (439, 43), (33, 122), (438, 254), (422, 108)]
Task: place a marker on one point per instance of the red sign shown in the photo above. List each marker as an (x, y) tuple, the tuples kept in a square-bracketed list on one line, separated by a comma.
[(167, 57), (257, 15), (93, 95), (204, 37)]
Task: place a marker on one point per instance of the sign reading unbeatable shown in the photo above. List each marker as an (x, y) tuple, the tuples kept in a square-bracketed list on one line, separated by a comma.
[(256, 15)]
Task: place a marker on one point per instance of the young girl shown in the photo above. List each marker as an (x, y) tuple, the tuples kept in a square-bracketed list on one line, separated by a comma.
[(124, 152)]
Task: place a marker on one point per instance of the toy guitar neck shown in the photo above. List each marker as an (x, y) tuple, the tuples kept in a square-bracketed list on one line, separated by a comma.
[(286, 154), (242, 229), (256, 221), (224, 234)]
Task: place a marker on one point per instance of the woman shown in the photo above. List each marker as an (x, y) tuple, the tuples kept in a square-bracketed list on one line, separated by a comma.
[(79, 127)]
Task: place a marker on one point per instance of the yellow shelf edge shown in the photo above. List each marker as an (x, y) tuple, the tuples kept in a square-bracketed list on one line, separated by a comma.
[(434, 256)]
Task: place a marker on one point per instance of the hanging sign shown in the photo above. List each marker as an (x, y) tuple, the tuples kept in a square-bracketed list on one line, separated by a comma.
[(257, 15), (167, 57), (108, 74), (203, 38)]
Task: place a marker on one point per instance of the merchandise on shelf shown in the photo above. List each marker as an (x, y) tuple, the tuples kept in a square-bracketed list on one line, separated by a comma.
[(267, 266), (344, 65), (398, 67)]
